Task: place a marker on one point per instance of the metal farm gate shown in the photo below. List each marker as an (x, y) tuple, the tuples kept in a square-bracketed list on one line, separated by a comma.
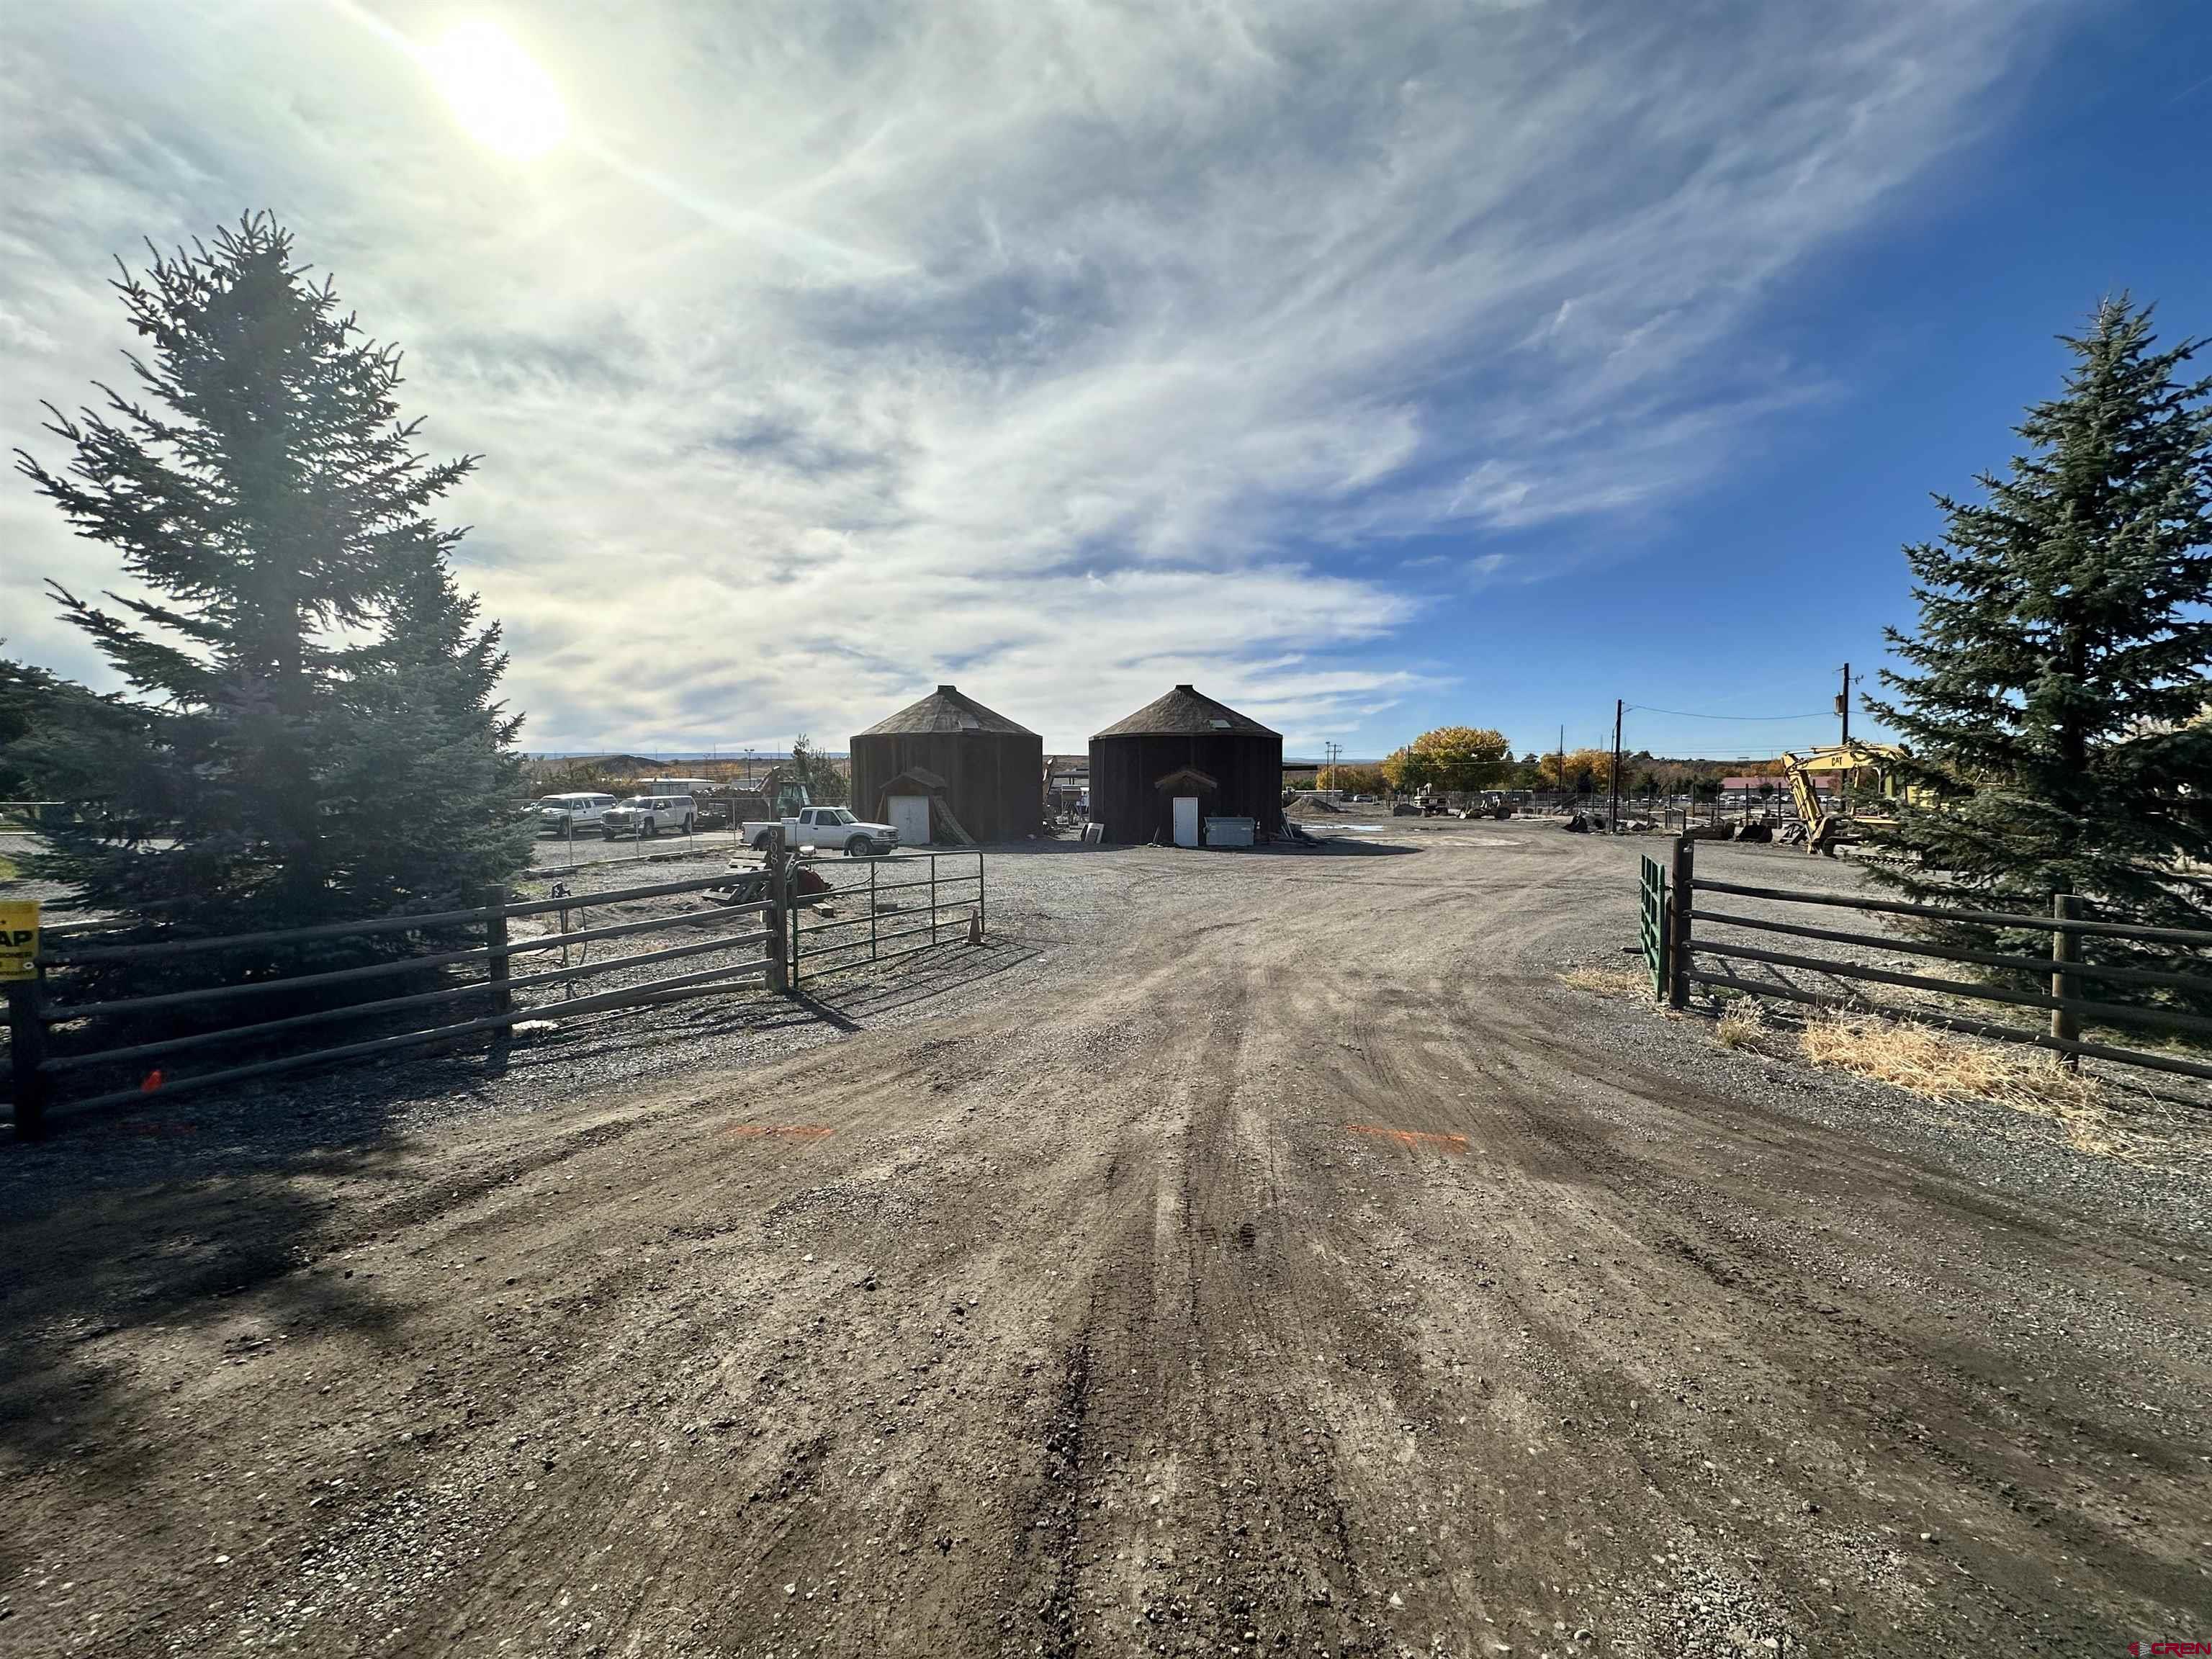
[(1652, 900), (250, 1006), (849, 922)]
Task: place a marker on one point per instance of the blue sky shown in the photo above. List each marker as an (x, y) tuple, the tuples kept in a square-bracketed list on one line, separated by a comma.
[(1477, 363)]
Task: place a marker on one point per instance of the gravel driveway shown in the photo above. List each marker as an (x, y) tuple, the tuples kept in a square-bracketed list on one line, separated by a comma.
[(1259, 1254)]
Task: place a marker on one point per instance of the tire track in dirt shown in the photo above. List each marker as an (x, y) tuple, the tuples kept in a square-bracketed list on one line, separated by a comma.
[(1861, 1343), (1090, 1326)]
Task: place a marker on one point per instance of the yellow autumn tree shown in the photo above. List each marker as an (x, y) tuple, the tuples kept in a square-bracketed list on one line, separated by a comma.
[(1356, 779), (1579, 771), (1449, 758)]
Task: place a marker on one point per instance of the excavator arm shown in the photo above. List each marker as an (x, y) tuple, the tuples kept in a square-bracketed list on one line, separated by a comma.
[(1825, 828), (1806, 798)]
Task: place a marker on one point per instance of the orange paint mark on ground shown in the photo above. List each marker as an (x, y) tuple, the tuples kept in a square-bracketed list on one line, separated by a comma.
[(1450, 1143), (803, 1131)]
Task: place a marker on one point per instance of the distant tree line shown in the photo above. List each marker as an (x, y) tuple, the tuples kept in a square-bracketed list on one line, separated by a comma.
[(1461, 759)]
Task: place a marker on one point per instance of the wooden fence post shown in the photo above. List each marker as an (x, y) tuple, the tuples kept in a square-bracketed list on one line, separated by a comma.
[(871, 908), (779, 899), (2065, 1023), (1678, 921), (503, 1000), (27, 1048)]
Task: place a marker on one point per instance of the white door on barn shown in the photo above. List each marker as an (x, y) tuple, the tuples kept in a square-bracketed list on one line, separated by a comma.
[(911, 817), (1186, 820)]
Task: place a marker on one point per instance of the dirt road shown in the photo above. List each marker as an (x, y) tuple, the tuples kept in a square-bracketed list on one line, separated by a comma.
[(1299, 1276)]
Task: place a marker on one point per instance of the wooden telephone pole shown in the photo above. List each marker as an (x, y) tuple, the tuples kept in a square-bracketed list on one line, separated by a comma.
[(1614, 825)]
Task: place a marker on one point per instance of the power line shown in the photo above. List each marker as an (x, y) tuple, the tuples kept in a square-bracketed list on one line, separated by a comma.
[(1685, 714)]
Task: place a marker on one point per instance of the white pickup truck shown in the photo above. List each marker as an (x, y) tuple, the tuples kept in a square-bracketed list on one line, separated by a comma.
[(827, 827)]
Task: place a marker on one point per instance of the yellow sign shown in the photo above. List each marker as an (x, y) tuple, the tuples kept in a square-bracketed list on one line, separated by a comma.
[(19, 938)]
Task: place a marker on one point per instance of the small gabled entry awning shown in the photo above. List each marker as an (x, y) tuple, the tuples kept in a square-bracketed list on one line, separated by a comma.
[(1186, 781), (915, 781)]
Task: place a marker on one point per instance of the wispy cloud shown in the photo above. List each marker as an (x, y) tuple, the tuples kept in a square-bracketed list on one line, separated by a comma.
[(1079, 350)]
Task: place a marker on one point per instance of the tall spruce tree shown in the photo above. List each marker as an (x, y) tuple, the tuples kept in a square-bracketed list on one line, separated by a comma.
[(428, 783), (301, 658), (2055, 701)]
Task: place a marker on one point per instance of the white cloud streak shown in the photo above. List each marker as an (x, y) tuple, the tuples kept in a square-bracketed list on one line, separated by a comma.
[(1064, 349)]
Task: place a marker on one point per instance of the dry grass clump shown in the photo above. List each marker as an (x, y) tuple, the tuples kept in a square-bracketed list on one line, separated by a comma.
[(1939, 1066), (1610, 981), (1741, 1026)]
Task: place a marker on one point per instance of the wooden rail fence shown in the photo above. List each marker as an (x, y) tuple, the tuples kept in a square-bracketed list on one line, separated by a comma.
[(1674, 955)]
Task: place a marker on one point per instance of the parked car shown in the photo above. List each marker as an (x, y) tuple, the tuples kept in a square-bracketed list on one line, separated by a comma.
[(827, 826), (560, 815), (648, 815)]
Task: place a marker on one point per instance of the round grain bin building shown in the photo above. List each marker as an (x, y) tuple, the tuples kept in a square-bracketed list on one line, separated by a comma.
[(1180, 760), (947, 769)]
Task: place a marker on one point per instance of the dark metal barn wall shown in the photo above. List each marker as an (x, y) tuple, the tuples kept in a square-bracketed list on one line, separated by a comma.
[(1249, 769), (994, 780)]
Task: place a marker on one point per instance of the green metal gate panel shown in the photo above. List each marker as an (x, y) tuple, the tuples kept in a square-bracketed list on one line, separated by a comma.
[(1652, 896)]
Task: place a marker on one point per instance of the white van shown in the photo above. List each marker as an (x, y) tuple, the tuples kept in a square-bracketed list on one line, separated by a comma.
[(559, 815), (648, 815)]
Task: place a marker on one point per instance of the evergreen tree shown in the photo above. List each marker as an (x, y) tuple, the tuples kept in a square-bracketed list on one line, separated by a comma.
[(26, 694), (58, 741), (827, 785), (302, 663), (2054, 704), (425, 802)]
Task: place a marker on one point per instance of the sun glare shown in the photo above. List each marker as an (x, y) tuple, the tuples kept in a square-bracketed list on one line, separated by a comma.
[(505, 101)]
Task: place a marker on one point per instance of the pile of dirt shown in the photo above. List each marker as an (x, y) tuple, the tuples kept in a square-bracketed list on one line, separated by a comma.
[(1311, 806)]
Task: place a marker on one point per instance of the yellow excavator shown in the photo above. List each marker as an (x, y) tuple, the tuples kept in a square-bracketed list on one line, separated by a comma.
[(1865, 767)]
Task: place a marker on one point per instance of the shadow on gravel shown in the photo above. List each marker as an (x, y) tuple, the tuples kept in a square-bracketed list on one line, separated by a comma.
[(204, 1218), (1336, 846), (843, 1005), (1333, 842), (97, 1269)]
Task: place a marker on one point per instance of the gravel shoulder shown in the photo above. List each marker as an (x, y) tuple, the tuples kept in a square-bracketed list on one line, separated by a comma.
[(1254, 1253)]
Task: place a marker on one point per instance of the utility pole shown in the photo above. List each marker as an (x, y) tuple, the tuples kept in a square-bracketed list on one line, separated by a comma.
[(1560, 783), (1613, 826), (1843, 705)]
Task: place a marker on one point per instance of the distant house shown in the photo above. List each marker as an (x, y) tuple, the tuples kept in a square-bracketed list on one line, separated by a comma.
[(1066, 782)]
